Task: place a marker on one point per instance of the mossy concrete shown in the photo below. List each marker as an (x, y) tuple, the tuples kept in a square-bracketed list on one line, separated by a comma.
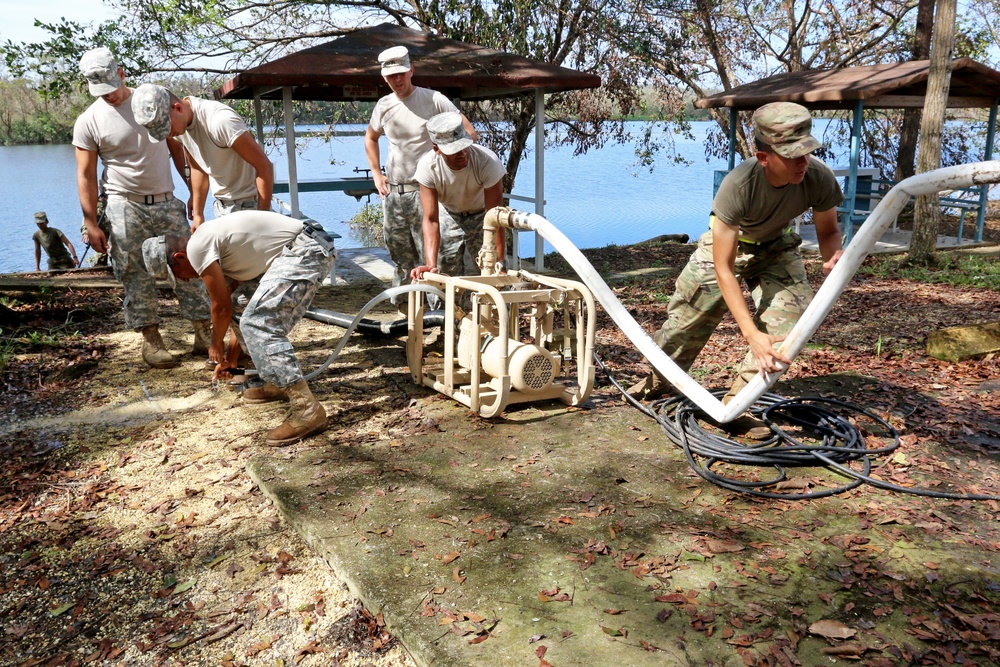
[(966, 342), (584, 530)]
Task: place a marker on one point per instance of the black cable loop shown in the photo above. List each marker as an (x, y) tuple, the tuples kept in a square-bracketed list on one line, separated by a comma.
[(840, 443)]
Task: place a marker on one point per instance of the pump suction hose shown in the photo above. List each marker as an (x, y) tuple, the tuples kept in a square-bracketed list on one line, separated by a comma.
[(432, 318), (383, 296)]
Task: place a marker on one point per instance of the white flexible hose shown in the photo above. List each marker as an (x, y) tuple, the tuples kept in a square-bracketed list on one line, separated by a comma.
[(871, 231)]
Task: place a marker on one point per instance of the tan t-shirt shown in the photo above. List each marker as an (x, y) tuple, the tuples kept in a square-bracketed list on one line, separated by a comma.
[(461, 191), (404, 123), (244, 243), (209, 140), (133, 163), (763, 212)]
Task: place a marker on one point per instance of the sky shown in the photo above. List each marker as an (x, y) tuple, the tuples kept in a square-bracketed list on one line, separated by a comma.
[(19, 16)]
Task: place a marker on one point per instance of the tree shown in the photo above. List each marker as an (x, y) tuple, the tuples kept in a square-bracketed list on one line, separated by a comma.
[(911, 117), (164, 35), (927, 212)]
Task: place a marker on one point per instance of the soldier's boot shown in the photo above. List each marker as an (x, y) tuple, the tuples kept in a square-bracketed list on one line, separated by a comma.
[(154, 352), (746, 425), (650, 388), (308, 417), (202, 336), (266, 393)]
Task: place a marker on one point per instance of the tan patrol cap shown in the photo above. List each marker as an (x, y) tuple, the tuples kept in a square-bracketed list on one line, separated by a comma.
[(786, 128)]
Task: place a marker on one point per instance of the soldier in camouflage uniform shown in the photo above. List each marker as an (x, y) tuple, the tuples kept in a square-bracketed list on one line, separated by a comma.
[(750, 239), (402, 117), (141, 203), (283, 261)]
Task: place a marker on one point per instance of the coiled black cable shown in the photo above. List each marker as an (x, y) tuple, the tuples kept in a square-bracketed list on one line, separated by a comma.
[(808, 432)]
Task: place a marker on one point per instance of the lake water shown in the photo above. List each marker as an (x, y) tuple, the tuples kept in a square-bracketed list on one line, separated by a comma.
[(596, 199)]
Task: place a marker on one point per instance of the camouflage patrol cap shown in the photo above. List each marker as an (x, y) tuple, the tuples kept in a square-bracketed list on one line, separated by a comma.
[(151, 108), (100, 68), (785, 127), (395, 60), (447, 132), (41, 218), (154, 257)]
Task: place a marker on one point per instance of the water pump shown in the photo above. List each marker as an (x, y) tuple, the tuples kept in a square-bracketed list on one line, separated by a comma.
[(508, 337)]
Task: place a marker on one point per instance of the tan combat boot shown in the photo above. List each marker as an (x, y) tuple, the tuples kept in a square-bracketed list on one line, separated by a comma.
[(266, 393), (307, 417), (746, 425), (154, 352), (650, 388), (202, 336)]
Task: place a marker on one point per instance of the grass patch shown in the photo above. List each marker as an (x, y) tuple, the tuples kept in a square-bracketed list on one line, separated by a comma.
[(958, 269)]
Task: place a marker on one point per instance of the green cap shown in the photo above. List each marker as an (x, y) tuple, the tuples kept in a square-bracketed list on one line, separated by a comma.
[(41, 218), (785, 127)]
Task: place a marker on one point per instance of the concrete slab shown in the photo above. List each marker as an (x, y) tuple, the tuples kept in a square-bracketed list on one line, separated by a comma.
[(363, 265), (893, 241), (581, 534)]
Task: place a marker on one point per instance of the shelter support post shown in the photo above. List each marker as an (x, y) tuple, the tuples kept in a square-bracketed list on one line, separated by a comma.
[(258, 117), (539, 174), (293, 176), (852, 178), (984, 189), (734, 118)]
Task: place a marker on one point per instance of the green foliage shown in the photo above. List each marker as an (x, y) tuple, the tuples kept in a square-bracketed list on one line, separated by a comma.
[(951, 268), (366, 226)]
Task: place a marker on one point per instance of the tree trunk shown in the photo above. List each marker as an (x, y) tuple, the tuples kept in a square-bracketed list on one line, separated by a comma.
[(909, 131), (927, 212)]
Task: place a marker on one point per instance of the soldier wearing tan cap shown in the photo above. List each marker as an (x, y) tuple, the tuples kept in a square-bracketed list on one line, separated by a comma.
[(750, 238), (54, 243), (402, 117)]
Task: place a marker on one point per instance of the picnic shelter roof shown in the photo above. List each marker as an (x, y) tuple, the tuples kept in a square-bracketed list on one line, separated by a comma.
[(347, 69), (894, 85)]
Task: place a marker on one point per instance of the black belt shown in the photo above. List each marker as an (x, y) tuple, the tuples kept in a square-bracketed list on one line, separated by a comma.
[(146, 199), (403, 188)]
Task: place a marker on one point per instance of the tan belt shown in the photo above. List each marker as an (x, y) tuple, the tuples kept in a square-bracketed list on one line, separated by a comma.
[(468, 212), (145, 199), (403, 188)]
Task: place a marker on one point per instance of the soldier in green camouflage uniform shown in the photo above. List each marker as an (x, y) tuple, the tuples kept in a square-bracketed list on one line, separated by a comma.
[(750, 239)]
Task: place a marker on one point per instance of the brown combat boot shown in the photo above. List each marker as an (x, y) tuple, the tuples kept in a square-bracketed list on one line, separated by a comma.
[(202, 337), (307, 417), (746, 425), (265, 393), (154, 352)]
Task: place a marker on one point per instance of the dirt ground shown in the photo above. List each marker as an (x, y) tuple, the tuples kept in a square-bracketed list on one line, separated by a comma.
[(130, 533)]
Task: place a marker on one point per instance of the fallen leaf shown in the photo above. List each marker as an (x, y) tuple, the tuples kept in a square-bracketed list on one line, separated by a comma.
[(831, 629)]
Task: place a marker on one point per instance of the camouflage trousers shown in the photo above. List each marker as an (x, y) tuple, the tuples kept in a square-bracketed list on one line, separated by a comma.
[(461, 240), (131, 224), (403, 233), (773, 272), (231, 206), (282, 297)]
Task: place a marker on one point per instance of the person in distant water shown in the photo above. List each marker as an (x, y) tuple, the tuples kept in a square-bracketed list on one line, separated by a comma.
[(750, 238), (402, 117), (54, 242), (219, 149), (280, 262), (141, 203), (466, 180)]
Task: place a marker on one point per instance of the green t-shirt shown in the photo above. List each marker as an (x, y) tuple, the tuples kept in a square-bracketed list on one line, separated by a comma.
[(762, 211), (52, 244)]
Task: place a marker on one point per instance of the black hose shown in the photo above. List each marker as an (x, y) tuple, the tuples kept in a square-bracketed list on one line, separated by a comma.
[(432, 318), (808, 432)]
